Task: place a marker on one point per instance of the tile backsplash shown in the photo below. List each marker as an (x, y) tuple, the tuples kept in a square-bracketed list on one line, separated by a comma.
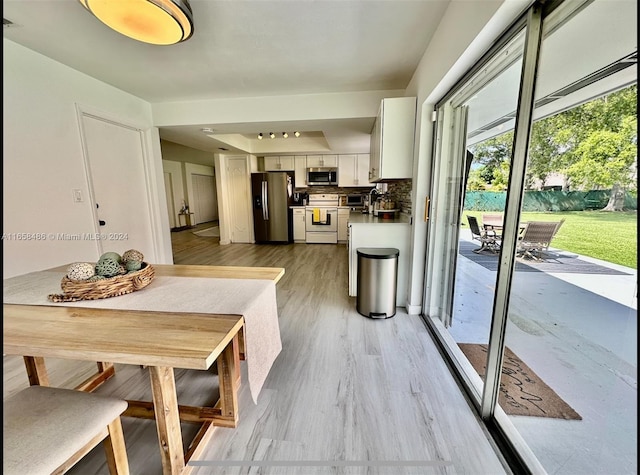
[(398, 191)]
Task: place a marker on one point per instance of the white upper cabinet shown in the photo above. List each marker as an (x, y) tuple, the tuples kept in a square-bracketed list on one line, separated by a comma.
[(301, 170), (317, 161), (392, 138), (353, 170), (362, 169), (279, 163)]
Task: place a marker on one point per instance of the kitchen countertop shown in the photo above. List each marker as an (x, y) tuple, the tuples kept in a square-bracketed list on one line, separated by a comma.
[(356, 217)]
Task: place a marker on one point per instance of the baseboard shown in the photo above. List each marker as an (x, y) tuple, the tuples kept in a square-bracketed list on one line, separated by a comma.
[(413, 309)]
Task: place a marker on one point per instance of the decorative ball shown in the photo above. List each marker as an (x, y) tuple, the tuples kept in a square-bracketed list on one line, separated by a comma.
[(122, 270), (80, 271), (111, 255), (133, 266), (108, 267), (96, 278), (132, 255)]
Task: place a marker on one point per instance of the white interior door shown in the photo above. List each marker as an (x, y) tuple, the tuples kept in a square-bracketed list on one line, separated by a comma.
[(206, 201), (240, 201), (114, 155)]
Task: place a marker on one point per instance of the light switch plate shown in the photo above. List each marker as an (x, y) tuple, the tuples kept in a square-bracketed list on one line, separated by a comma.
[(77, 196)]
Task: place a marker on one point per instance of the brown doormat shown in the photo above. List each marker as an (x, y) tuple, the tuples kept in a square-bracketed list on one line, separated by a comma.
[(522, 392)]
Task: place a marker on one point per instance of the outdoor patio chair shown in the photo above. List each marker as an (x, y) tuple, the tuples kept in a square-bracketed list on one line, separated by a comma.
[(488, 238), (535, 239)]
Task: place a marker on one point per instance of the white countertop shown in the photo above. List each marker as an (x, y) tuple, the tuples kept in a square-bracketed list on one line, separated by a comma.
[(356, 217)]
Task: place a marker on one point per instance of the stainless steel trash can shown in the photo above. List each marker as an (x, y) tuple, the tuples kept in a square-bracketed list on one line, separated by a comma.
[(377, 279)]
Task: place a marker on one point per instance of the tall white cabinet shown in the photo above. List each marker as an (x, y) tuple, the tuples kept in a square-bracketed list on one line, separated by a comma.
[(391, 153)]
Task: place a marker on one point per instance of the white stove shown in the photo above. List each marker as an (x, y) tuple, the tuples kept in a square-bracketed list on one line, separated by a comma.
[(321, 219)]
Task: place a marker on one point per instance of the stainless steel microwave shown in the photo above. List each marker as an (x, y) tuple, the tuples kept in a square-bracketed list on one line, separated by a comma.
[(322, 176), (355, 200)]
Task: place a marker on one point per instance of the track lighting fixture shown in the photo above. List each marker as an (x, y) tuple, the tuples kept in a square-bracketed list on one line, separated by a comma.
[(158, 22), (273, 135)]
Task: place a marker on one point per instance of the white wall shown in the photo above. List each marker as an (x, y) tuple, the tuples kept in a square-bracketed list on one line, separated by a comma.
[(175, 158), (177, 180), (43, 161), (363, 104), (180, 153)]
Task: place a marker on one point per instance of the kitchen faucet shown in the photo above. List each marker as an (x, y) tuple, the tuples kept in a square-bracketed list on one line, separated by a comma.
[(373, 196)]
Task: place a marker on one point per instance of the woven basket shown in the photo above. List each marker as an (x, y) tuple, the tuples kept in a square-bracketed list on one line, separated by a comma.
[(75, 290)]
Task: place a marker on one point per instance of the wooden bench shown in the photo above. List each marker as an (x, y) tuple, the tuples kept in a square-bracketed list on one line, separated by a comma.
[(48, 430)]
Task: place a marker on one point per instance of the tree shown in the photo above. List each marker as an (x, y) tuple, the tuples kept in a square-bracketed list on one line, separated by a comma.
[(606, 159), (548, 149), (593, 145), (570, 143), (501, 177), (475, 182), (491, 153)]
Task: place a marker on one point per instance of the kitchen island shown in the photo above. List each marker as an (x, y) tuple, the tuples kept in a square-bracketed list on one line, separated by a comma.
[(367, 230)]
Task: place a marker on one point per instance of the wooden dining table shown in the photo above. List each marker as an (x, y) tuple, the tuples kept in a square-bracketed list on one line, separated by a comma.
[(160, 340)]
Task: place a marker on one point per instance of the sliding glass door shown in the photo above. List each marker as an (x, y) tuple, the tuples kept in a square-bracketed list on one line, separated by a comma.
[(543, 338), (461, 280)]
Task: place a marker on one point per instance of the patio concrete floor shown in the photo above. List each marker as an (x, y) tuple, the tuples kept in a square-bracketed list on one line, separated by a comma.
[(578, 332)]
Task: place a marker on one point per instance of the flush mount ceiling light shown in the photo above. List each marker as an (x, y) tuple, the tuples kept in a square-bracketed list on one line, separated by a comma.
[(297, 134), (158, 22)]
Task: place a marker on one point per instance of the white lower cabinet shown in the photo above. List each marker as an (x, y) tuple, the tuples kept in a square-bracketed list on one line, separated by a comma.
[(299, 227), (392, 235), (343, 223)]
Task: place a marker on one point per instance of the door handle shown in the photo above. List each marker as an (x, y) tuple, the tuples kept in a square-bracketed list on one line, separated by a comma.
[(265, 200), (100, 222), (426, 209)]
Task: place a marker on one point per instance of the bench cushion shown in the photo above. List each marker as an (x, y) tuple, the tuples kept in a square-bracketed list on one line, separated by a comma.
[(43, 426)]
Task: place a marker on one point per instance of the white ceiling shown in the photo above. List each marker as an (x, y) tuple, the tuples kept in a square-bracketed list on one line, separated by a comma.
[(254, 48), (244, 48)]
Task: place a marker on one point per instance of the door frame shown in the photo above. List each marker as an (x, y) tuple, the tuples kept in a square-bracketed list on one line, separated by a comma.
[(161, 251)]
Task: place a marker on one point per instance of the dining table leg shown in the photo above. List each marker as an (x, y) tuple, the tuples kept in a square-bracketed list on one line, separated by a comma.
[(165, 404), (228, 369), (36, 370)]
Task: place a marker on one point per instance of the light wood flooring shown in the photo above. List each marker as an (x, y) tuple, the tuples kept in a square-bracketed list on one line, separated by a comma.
[(347, 395)]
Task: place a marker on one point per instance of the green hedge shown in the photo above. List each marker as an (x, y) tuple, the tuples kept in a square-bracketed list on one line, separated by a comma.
[(549, 200)]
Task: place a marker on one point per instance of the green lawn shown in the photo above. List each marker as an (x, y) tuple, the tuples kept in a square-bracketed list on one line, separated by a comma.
[(608, 236)]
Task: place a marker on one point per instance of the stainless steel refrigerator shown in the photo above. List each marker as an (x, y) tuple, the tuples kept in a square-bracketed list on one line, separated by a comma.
[(272, 194)]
